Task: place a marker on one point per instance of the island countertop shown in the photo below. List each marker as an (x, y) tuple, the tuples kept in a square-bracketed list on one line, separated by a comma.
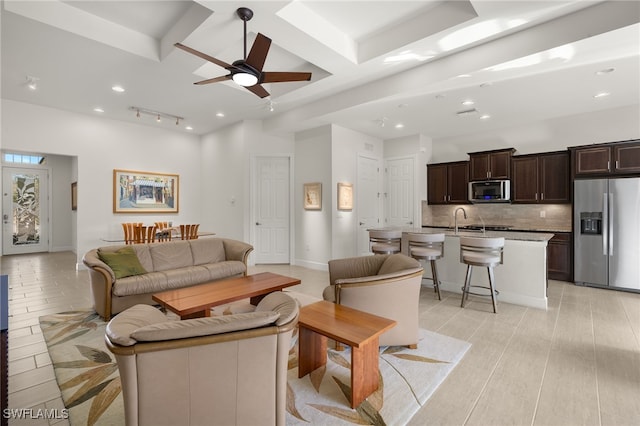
[(508, 235)]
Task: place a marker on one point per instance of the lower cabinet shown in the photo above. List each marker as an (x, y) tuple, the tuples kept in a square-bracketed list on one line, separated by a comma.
[(559, 257)]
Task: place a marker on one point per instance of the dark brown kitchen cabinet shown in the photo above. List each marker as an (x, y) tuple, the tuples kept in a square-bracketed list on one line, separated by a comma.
[(541, 178), (618, 158), (559, 257), (447, 183), (490, 164)]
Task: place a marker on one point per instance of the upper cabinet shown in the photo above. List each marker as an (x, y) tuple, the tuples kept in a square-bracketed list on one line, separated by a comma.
[(490, 164), (541, 178), (619, 158), (447, 183)]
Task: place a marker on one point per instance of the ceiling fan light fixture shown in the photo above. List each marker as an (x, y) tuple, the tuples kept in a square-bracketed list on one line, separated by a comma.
[(245, 79)]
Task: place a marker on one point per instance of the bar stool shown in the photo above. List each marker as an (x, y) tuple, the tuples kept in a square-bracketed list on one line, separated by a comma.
[(485, 252), (385, 242), (427, 247)]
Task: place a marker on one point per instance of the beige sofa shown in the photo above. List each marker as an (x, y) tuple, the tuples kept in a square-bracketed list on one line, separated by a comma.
[(162, 266), (226, 370), (383, 285)]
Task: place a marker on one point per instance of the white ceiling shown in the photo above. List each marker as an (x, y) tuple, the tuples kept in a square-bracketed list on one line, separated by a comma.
[(373, 62)]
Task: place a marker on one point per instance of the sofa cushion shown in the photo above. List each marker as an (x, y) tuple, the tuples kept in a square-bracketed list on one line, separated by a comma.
[(280, 302), (396, 263), (119, 329), (151, 282), (171, 255), (226, 269), (203, 326), (207, 250), (123, 262)]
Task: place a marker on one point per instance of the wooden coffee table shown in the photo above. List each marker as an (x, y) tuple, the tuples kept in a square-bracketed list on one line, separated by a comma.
[(360, 330), (197, 301)]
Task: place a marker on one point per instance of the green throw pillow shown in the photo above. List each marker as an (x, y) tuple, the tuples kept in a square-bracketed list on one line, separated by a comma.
[(124, 262)]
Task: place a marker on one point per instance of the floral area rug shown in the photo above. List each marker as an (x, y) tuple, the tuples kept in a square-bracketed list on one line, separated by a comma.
[(88, 378), (408, 377)]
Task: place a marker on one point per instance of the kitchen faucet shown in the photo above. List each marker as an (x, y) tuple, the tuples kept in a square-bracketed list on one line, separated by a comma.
[(455, 217)]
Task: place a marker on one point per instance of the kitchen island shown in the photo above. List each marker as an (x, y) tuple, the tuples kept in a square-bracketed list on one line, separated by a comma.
[(521, 279)]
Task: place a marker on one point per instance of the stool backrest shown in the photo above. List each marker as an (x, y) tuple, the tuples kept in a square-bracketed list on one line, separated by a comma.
[(434, 241), (490, 246), (384, 237)]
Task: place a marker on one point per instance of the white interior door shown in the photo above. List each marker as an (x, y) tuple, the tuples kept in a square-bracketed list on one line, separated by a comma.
[(368, 200), (25, 210), (272, 210), (399, 200)]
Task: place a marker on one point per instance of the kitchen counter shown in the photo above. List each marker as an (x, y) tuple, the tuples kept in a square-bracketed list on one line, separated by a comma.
[(521, 279), (508, 235)]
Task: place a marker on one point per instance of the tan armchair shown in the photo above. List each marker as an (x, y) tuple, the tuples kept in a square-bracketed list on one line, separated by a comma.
[(383, 285), (226, 370)]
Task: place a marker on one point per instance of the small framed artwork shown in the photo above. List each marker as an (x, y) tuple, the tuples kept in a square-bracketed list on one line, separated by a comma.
[(74, 195), (313, 196), (345, 196), (145, 192)]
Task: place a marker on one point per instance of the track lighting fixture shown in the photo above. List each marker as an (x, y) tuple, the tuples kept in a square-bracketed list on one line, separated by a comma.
[(159, 115)]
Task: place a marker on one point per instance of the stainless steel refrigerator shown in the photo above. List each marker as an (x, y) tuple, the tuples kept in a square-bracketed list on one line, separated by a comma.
[(607, 233)]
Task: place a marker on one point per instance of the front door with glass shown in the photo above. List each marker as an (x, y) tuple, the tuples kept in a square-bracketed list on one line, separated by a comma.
[(24, 210)]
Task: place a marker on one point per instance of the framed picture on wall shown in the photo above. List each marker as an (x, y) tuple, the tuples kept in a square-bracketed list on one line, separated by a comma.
[(313, 196), (74, 195), (145, 192), (345, 196)]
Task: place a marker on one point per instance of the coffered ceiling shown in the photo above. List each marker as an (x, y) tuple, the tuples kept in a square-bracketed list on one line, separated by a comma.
[(385, 68)]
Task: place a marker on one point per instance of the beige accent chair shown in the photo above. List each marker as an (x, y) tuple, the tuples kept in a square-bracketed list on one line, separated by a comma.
[(225, 370), (383, 285)]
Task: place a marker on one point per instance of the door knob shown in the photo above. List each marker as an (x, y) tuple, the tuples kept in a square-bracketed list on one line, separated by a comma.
[(258, 223), (361, 223)]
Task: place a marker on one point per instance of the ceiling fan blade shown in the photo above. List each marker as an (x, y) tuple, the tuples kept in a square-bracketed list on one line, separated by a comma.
[(259, 51), (258, 90), (282, 77), (202, 55), (214, 80)]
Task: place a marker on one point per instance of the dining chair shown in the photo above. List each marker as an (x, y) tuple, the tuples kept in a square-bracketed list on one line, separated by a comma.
[(189, 232), (130, 232), (145, 234), (163, 231)]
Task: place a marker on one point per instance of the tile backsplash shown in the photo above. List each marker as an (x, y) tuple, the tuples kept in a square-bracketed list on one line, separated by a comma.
[(557, 217)]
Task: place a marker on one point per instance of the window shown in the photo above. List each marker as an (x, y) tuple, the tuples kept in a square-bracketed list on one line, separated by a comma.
[(22, 158)]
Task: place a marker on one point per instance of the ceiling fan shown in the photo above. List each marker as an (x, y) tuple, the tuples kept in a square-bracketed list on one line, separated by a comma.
[(248, 72)]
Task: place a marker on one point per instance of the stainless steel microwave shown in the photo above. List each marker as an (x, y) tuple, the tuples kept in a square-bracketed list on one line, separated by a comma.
[(490, 191)]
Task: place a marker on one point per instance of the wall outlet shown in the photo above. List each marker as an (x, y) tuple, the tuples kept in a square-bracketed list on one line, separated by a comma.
[(543, 213)]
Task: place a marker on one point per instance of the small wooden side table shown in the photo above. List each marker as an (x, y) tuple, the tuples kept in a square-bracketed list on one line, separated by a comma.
[(360, 330)]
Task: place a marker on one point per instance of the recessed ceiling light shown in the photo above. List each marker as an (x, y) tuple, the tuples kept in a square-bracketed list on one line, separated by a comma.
[(220, 114), (32, 82), (601, 95), (468, 102), (189, 128), (399, 126), (605, 71), (117, 88), (485, 117), (98, 109), (464, 75)]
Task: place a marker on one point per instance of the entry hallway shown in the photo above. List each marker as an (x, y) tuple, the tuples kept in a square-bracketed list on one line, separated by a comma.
[(577, 363)]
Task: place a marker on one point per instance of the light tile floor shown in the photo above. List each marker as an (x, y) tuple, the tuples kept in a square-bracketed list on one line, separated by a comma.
[(578, 363)]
